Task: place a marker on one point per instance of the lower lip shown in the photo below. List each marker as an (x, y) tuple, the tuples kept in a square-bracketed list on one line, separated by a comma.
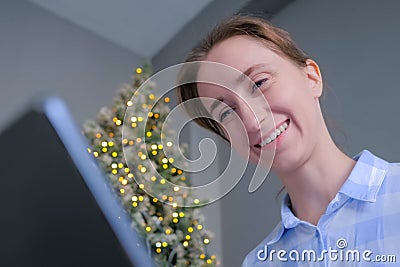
[(277, 142)]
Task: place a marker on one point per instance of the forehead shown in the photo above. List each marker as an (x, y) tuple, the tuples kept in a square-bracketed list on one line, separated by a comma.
[(233, 57)]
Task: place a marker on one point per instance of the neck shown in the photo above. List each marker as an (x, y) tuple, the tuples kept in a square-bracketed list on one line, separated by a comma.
[(314, 184)]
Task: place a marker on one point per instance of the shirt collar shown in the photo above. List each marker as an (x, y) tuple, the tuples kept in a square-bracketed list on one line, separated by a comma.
[(363, 184)]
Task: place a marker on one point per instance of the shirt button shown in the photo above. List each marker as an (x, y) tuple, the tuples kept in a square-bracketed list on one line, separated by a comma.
[(335, 205)]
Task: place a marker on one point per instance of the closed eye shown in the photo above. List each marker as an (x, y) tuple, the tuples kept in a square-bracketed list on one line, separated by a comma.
[(225, 113)]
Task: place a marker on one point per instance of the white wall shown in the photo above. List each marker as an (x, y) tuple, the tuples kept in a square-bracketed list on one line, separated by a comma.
[(356, 43), (40, 52)]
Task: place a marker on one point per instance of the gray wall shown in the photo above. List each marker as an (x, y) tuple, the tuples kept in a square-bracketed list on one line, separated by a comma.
[(40, 52), (356, 44)]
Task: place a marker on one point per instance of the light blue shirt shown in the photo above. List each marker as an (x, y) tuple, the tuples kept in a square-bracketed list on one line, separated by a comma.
[(361, 225)]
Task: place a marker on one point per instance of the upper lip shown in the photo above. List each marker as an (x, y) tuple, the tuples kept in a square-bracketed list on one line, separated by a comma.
[(270, 132)]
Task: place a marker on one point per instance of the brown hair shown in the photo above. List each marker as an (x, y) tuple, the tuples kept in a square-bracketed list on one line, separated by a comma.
[(273, 37)]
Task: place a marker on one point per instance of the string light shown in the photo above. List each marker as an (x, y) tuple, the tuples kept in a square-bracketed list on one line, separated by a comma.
[(133, 119), (139, 70), (167, 99), (98, 135), (169, 144), (141, 186), (151, 96), (190, 229), (129, 103), (162, 181), (206, 241), (168, 231), (196, 201), (185, 243), (202, 256), (95, 154), (110, 143), (199, 227), (148, 228)]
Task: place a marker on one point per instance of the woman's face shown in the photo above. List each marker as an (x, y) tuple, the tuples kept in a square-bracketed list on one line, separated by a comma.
[(292, 94)]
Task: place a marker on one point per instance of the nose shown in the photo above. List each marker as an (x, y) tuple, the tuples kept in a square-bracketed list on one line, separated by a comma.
[(252, 113)]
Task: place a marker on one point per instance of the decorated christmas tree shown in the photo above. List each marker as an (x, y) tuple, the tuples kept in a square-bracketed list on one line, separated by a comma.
[(174, 233)]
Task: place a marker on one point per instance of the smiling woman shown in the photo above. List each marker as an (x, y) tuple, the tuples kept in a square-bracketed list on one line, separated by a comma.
[(330, 196)]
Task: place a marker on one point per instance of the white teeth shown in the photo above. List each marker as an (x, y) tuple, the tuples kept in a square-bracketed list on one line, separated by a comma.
[(275, 134)]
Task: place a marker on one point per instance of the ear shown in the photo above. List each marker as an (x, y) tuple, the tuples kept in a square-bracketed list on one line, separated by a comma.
[(314, 77)]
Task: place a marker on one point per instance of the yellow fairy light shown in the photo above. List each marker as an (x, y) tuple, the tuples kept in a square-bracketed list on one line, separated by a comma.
[(151, 96), (133, 119), (118, 122), (143, 157), (175, 214), (89, 150), (104, 149), (110, 143), (183, 178), (129, 103), (168, 231), (153, 147), (164, 244), (196, 201), (213, 257), (190, 229), (162, 181), (202, 256), (199, 227), (114, 165), (160, 218), (143, 169), (134, 198), (153, 127), (158, 250), (174, 204), (115, 119), (156, 115), (170, 199), (140, 119), (140, 153), (98, 135), (171, 160), (120, 165), (95, 154), (148, 134), (181, 214), (176, 188), (133, 124), (114, 171), (209, 261), (173, 170), (162, 135), (165, 166), (179, 171), (158, 244), (124, 182), (187, 237), (125, 141), (141, 186), (185, 243), (141, 198), (160, 146), (154, 152), (167, 99), (130, 175), (122, 191), (139, 70), (121, 179), (104, 143), (144, 105), (114, 154), (153, 178), (134, 204), (169, 144), (206, 241), (155, 200), (175, 220), (164, 197), (150, 114), (127, 170), (131, 142), (138, 139), (164, 160), (148, 228)]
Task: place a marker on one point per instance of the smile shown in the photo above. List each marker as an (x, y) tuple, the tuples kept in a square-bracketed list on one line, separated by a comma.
[(275, 134)]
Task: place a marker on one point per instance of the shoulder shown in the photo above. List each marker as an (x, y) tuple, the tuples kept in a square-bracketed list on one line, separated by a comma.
[(254, 257)]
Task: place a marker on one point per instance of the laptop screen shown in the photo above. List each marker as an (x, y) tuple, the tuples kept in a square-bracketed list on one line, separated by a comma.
[(57, 207)]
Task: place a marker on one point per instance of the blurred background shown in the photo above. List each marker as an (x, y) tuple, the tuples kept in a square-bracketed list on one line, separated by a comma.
[(85, 50)]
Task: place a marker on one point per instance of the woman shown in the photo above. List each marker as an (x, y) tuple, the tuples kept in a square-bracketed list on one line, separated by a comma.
[(337, 209)]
